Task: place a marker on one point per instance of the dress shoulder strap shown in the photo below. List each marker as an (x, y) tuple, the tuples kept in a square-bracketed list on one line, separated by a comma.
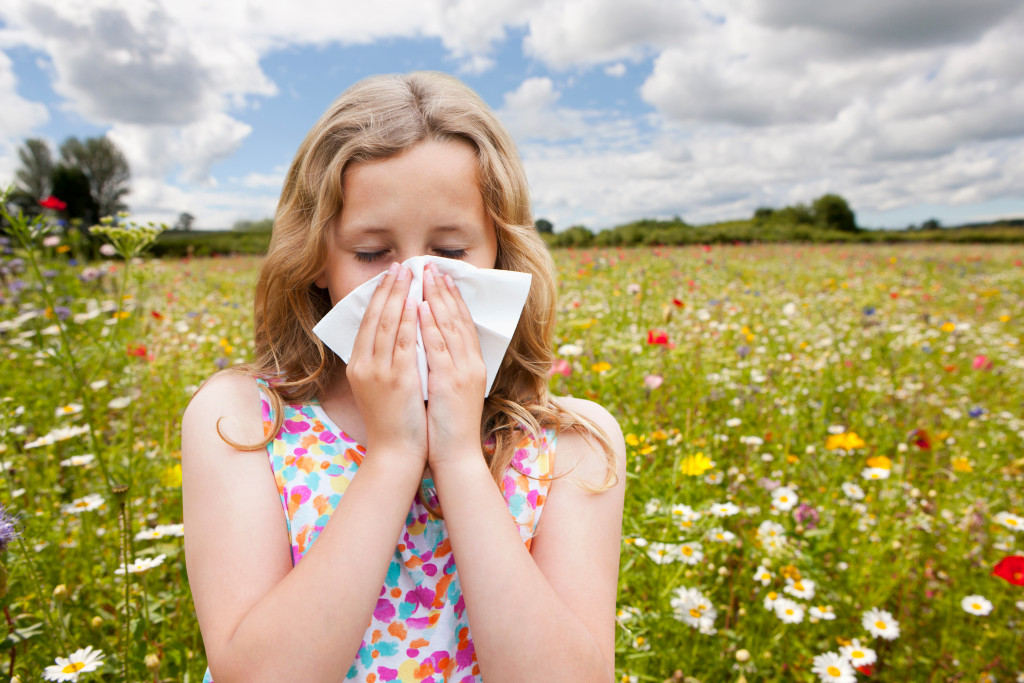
[(266, 405)]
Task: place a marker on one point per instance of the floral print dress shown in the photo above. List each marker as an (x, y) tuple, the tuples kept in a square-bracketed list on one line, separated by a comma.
[(419, 631)]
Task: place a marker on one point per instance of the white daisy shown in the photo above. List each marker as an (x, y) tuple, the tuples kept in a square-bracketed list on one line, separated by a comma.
[(88, 503), (119, 403), (691, 552), (625, 614), (769, 529), (788, 611), (720, 535), (161, 531), (822, 613), (1007, 519), (977, 605), (784, 498), (141, 564), (80, 661), (58, 434), (693, 608), (715, 477), (733, 422), (763, 576), (78, 460), (852, 491), (770, 600), (725, 509), (685, 514), (69, 409), (880, 624), (833, 668), (652, 507), (857, 654), (570, 350), (873, 473), (663, 553), (802, 588)]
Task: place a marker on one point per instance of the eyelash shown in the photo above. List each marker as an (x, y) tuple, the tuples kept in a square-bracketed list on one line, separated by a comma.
[(372, 256)]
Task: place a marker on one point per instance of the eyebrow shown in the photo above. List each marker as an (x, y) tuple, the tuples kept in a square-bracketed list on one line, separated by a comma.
[(370, 230)]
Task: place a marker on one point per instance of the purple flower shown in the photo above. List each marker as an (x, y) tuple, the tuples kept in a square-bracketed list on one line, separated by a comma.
[(806, 515), (869, 310), (8, 529), (62, 312), (743, 350), (768, 484), (976, 411), (221, 363)]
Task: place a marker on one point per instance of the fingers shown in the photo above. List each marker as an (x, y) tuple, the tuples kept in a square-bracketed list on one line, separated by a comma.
[(455, 327), (391, 314)]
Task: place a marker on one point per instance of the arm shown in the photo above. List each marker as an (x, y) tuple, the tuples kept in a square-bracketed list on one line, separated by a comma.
[(246, 593), (563, 595)]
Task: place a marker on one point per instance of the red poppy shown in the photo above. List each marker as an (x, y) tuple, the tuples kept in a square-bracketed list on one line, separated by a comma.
[(657, 337), (921, 439), (866, 669), (137, 350), (1010, 568), (52, 202), (678, 303), (157, 315)]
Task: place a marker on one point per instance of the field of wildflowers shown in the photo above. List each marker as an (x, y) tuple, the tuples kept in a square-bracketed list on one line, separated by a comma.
[(824, 443)]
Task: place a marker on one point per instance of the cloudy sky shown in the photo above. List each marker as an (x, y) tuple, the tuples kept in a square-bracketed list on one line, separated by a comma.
[(910, 109)]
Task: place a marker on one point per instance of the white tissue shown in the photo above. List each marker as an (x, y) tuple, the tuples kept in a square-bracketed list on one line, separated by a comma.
[(495, 299)]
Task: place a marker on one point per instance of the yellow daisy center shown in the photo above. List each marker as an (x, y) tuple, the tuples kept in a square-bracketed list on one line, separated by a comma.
[(73, 667), (687, 550), (798, 586), (783, 499), (976, 606), (834, 672), (880, 625), (1011, 522), (857, 654), (789, 611), (695, 613)]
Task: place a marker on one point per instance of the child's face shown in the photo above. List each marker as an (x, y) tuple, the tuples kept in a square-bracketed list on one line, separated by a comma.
[(425, 201)]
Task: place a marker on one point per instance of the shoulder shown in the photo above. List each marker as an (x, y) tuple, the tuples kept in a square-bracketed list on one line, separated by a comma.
[(583, 454), (230, 400)]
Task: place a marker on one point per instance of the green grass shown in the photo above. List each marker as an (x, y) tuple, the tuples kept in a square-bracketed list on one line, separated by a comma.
[(771, 350)]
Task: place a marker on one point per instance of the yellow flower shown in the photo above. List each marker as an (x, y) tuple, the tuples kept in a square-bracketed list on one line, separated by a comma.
[(585, 324), (631, 440), (648, 449), (962, 464), (63, 249), (792, 459), (881, 462), (846, 441), (696, 465), (790, 572), (659, 435), (601, 367), (1004, 318), (948, 327)]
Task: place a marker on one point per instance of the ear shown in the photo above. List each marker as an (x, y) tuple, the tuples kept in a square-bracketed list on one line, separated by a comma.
[(321, 280)]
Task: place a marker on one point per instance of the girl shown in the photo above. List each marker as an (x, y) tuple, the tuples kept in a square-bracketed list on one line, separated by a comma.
[(432, 564)]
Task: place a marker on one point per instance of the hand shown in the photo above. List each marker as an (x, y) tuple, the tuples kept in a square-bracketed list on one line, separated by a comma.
[(382, 371), (457, 374)]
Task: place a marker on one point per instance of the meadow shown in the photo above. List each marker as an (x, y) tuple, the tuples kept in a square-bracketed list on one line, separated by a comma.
[(824, 453)]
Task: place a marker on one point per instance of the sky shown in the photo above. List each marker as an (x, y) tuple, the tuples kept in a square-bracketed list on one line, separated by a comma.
[(909, 109)]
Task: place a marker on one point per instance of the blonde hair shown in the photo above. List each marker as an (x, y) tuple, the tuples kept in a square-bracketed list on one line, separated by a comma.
[(378, 118)]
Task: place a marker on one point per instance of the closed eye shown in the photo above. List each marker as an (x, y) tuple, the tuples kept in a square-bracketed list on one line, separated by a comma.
[(370, 256), (451, 253)]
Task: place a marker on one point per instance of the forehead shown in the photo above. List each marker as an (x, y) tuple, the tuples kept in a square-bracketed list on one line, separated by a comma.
[(431, 185)]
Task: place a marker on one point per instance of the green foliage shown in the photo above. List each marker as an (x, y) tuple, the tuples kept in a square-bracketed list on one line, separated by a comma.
[(832, 212), (34, 177), (71, 185), (105, 167), (265, 225), (544, 226), (177, 243)]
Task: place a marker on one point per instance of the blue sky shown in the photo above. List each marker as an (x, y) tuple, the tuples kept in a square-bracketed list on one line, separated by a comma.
[(705, 110)]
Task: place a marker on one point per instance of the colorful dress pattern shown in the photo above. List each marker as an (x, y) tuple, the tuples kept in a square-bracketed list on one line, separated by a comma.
[(419, 631)]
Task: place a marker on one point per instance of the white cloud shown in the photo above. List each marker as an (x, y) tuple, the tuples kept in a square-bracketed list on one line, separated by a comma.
[(18, 118), (573, 32), (616, 70)]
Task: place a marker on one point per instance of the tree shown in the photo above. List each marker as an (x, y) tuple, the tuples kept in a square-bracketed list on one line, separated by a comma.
[(763, 213), (931, 224), (104, 166), (543, 225), (34, 176), (832, 211), (185, 221), (71, 186)]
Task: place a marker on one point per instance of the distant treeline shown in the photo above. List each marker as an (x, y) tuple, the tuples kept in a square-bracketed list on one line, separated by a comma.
[(828, 219)]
